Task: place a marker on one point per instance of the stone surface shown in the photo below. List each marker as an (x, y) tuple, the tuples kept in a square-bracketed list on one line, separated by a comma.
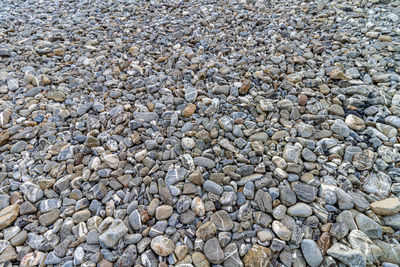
[(236, 131)]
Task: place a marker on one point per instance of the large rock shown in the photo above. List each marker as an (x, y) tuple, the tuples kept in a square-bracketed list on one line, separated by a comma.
[(222, 220), (311, 252), (8, 215), (264, 201), (111, 237), (389, 206), (162, 245), (232, 258), (360, 241), (257, 256), (368, 226), (213, 251), (348, 256), (31, 191), (390, 252), (206, 231)]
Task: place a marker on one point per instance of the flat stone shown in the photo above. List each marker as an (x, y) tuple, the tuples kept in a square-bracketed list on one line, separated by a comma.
[(368, 226), (204, 162), (389, 206), (8, 215), (213, 251)]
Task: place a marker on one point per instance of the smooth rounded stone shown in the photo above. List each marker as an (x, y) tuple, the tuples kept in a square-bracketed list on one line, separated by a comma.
[(311, 252), (213, 251), (360, 241), (228, 199), (81, 216), (222, 220), (163, 212), (281, 230), (368, 226), (162, 245), (279, 212), (346, 255), (389, 206), (110, 237), (206, 231), (265, 235), (187, 217), (213, 187), (305, 130), (145, 116), (199, 260), (355, 123), (257, 256), (300, 210), (135, 221), (308, 155), (204, 162), (8, 215), (339, 230), (31, 191)]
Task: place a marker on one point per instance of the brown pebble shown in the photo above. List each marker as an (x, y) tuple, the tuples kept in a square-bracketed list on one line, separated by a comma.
[(162, 264), (239, 121), (105, 263), (324, 242), (244, 89), (189, 110), (303, 100), (16, 198)]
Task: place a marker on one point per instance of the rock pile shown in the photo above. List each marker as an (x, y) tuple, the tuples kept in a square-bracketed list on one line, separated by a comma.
[(199, 133)]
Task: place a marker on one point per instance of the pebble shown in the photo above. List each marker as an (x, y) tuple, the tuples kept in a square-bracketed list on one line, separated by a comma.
[(311, 252), (162, 245)]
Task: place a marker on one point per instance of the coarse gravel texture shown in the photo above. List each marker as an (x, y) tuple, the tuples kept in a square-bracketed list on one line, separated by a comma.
[(199, 133)]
